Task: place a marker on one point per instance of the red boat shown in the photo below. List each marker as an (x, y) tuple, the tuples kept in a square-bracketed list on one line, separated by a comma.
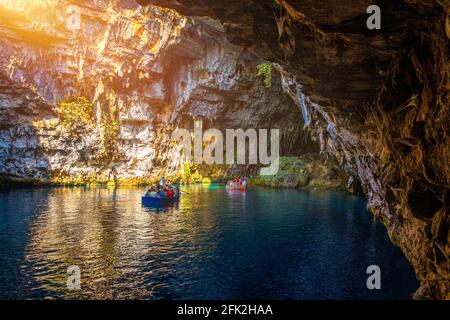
[(239, 188), (237, 184)]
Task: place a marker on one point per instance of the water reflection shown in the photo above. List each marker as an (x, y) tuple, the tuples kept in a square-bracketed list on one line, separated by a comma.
[(212, 244)]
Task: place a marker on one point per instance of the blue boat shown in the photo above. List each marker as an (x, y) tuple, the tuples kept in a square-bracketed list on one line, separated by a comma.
[(159, 201)]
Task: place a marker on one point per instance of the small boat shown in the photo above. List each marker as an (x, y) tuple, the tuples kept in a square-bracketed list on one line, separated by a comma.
[(237, 187), (159, 201)]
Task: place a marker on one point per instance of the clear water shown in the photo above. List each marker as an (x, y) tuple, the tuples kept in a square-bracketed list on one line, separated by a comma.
[(264, 244)]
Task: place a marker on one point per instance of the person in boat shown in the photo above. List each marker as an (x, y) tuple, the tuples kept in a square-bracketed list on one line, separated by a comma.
[(237, 182), (169, 191), (234, 182), (152, 193), (161, 193)]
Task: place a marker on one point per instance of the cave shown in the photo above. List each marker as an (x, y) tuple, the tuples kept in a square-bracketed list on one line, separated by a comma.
[(365, 111), (423, 202)]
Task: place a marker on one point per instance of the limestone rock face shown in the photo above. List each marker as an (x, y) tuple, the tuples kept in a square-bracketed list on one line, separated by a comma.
[(376, 100), (148, 69)]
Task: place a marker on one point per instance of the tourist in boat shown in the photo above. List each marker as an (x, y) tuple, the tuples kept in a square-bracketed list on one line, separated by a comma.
[(234, 182), (169, 191), (161, 193), (237, 184), (151, 193)]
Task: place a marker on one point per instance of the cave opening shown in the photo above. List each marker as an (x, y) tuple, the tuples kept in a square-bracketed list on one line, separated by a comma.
[(368, 108), (422, 201)]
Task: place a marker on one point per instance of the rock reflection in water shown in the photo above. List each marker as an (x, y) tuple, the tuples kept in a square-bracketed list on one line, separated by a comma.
[(212, 244)]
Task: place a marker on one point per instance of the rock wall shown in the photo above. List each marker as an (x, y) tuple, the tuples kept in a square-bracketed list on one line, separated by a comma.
[(376, 100), (147, 69)]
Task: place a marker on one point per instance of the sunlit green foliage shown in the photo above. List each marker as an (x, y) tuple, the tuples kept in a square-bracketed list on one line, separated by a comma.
[(265, 70), (74, 112), (110, 133), (189, 174)]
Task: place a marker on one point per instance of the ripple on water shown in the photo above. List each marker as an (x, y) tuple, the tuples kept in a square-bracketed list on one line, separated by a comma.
[(213, 244)]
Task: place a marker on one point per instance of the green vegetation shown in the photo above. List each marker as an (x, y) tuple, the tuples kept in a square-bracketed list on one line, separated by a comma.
[(206, 180), (77, 113), (292, 174), (186, 176), (190, 174), (307, 172), (265, 70), (200, 173), (110, 132), (74, 112), (187, 169)]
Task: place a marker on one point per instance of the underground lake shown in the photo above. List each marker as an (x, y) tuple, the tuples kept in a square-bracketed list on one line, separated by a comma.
[(212, 244)]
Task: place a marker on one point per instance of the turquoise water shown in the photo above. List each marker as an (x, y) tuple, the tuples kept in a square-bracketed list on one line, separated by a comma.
[(213, 244)]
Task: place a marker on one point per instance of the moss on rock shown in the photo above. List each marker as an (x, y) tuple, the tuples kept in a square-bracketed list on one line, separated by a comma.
[(305, 172), (291, 174)]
